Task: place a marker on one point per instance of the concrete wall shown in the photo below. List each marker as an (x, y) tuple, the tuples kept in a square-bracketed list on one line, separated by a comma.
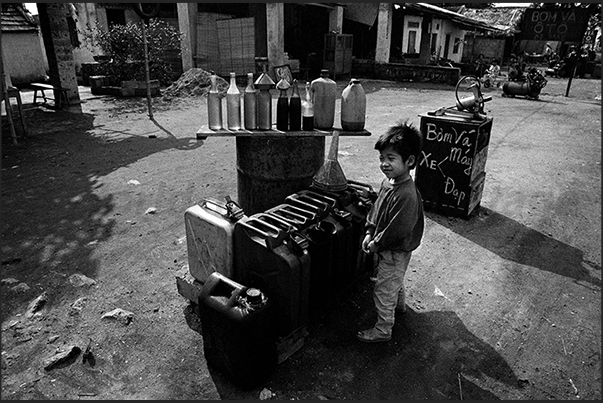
[(489, 47), (457, 35), (86, 17), (24, 59), (439, 27)]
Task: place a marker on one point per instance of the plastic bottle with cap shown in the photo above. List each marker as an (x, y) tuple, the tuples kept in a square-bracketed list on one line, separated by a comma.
[(353, 106), (324, 95)]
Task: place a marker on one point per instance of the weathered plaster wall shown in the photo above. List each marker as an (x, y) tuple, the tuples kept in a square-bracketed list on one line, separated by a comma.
[(24, 60)]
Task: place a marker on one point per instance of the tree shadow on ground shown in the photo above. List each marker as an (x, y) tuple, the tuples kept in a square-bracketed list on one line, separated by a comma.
[(53, 213), (432, 355), (515, 242)]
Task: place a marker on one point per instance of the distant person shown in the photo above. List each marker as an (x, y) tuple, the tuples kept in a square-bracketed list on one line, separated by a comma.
[(516, 68), (547, 53), (394, 226), (492, 74), (494, 69), (480, 65)]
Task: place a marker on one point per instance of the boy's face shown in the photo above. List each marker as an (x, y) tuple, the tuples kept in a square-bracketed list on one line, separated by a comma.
[(392, 165)]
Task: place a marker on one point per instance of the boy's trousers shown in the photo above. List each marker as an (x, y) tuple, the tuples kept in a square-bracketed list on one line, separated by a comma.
[(389, 288)]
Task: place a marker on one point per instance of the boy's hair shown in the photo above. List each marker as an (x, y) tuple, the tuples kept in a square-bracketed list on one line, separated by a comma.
[(404, 138)]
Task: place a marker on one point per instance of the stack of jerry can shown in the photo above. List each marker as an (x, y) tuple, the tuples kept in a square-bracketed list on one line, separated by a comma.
[(300, 254), (277, 262)]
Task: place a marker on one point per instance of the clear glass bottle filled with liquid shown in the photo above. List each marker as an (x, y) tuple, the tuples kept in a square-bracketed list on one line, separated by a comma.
[(233, 104)]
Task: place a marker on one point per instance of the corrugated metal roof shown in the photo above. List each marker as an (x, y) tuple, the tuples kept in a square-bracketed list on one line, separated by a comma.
[(14, 18), (453, 16), (507, 18)]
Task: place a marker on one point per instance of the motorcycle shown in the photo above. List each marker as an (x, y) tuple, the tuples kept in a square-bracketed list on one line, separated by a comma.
[(530, 88)]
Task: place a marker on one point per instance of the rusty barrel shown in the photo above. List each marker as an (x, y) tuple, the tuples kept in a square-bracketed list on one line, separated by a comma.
[(271, 168)]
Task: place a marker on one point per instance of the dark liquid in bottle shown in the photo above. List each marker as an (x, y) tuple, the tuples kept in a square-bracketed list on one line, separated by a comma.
[(295, 114), (282, 114), (308, 123)]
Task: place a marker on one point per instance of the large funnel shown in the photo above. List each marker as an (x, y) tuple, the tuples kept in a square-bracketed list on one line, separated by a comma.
[(330, 176)]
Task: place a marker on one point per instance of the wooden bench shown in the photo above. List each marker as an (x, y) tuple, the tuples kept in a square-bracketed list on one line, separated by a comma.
[(42, 87)]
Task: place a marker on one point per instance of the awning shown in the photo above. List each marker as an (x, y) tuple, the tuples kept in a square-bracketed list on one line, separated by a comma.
[(364, 13)]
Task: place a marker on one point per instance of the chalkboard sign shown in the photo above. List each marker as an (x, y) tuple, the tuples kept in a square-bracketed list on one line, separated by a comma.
[(451, 170), (565, 25)]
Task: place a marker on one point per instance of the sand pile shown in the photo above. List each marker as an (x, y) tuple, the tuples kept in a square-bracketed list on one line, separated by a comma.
[(194, 82)]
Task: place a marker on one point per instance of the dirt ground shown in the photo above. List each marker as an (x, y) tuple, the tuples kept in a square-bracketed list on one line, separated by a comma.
[(503, 305)]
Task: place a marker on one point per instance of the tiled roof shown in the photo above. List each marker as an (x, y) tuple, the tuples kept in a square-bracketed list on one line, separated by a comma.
[(16, 19)]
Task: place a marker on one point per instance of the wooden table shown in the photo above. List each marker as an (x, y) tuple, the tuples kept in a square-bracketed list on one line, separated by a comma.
[(205, 132), (272, 164)]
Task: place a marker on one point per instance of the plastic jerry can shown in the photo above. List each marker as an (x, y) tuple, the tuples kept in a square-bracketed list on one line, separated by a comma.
[(278, 263), (237, 325), (209, 237)]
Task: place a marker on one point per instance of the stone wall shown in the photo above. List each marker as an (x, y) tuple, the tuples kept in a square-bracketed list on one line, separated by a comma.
[(405, 72)]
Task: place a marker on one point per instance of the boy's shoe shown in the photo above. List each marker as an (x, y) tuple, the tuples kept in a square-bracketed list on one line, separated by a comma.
[(372, 336)]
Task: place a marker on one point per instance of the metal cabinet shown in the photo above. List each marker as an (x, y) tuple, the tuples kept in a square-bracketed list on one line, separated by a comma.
[(338, 54), (451, 169)]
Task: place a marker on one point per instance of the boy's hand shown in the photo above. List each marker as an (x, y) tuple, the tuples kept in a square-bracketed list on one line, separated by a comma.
[(365, 243), (372, 248)]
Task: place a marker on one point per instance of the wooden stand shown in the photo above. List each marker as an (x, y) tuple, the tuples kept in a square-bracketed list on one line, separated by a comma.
[(205, 132), (60, 94)]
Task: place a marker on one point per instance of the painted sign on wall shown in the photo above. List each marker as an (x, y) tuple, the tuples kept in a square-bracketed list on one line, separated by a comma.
[(566, 25)]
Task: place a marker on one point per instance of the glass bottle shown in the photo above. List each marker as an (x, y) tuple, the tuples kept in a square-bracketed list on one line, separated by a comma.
[(264, 101), (233, 104), (295, 116), (250, 104), (282, 106), (307, 110), (214, 104)]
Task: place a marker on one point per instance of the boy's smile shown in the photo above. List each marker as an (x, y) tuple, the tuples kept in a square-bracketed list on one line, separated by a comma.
[(392, 166)]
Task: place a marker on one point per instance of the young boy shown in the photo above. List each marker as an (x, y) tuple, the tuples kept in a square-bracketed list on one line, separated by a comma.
[(394, 225)]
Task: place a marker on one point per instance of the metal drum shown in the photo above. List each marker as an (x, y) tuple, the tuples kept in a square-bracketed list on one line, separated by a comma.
[(271, 168)]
